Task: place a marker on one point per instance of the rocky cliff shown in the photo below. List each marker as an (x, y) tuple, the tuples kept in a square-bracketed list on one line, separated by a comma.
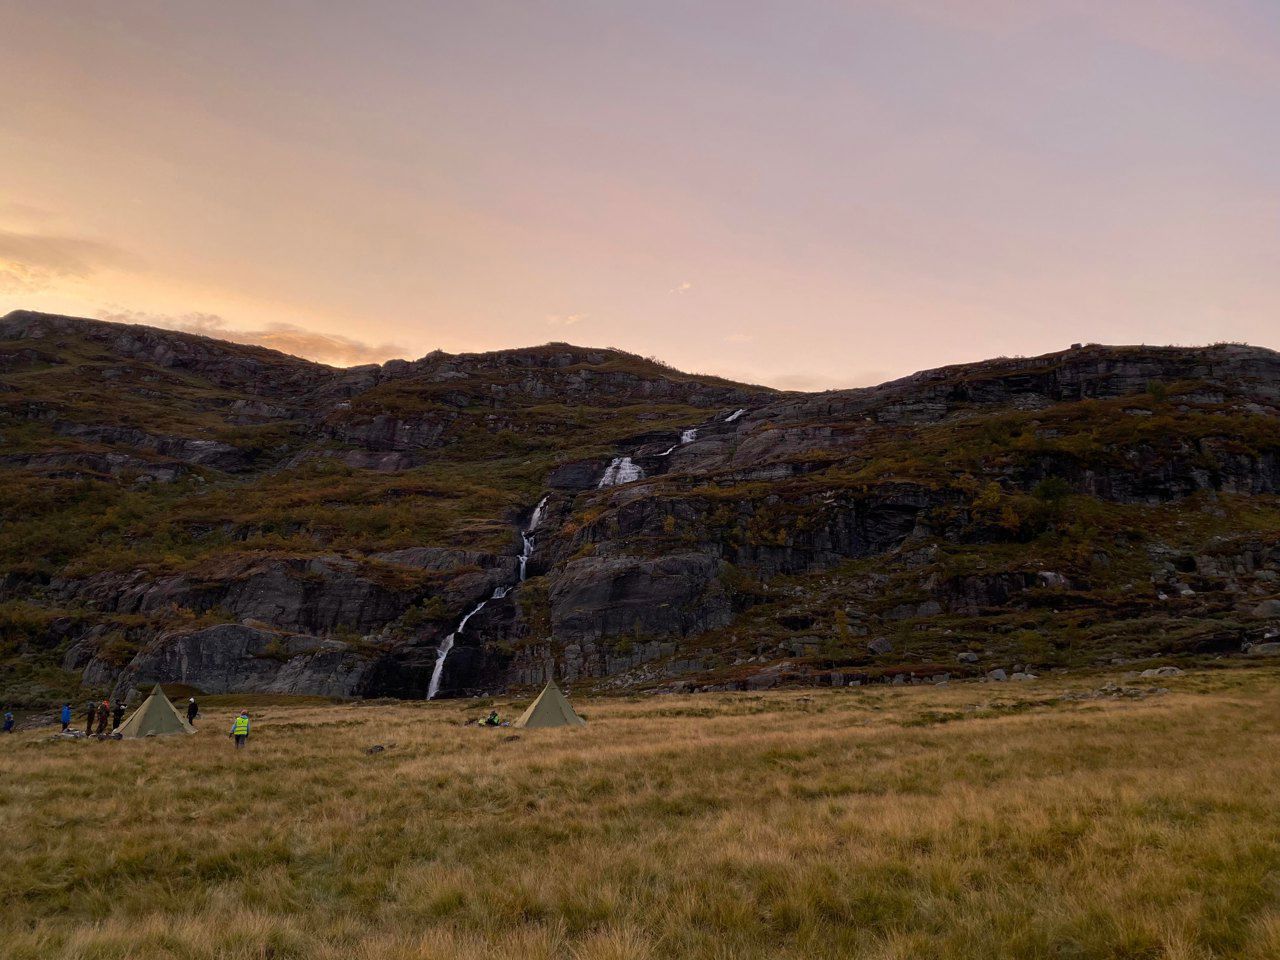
[(184, 509)]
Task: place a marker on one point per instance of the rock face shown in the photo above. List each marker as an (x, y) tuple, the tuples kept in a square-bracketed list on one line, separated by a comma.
[(243, 520), (667, 596), (232, 658), (319, 595)]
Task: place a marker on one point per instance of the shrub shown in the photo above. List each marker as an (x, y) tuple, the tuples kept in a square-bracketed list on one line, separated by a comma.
[(1052, 490)]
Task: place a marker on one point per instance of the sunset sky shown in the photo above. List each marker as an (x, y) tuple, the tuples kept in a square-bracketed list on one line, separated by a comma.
[(808, 193)]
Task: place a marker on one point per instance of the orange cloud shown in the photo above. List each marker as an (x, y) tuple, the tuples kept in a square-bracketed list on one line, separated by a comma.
[(285, 337), (33, 261)]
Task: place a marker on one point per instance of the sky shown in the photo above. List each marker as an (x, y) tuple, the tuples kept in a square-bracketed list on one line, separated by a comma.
[(803, 193)]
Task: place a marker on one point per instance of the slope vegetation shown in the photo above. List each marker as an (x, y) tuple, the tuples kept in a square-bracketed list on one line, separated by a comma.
[(179, 508)]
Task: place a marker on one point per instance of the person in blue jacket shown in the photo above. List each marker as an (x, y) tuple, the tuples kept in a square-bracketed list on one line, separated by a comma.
[(66, 717), (8, 720)]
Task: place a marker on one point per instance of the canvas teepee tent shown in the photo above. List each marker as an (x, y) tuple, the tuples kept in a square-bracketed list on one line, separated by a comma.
[(155, 718), (551, 709)]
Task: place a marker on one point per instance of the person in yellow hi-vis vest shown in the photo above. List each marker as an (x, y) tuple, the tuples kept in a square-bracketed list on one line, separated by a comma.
[(240, 728)]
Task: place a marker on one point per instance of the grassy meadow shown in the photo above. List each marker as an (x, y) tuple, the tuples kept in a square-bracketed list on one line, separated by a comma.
[(965, 821)]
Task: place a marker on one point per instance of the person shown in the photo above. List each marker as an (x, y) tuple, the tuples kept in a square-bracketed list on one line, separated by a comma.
[(90, 713), (491, 720), (104, 714), (193, 711), (8, 720), (66, 717), (117, 715), (240, 729)]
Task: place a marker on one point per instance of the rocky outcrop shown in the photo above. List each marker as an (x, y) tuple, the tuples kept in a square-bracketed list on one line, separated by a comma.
[(578, 475), (198, 452), (233, 658), (317, 595), (76, 464)]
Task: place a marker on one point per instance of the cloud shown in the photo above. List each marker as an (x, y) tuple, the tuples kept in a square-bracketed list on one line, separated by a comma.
[(740, 338), (565, 320), (34, 261), (682, 286), (285, 337), (23, 278)]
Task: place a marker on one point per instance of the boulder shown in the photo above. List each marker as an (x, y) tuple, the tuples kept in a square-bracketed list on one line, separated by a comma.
[(1267, 608), (967, 656), (997, 675), (766, 679), (880, 646)]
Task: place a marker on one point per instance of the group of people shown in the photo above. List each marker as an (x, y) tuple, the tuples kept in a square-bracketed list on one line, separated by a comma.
[(98, 714)]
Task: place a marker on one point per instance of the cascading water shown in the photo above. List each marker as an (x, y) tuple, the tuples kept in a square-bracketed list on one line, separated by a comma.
[(686, 436), (734, 416), (526, 536), (526, 551), (447, 643), (621, 470)]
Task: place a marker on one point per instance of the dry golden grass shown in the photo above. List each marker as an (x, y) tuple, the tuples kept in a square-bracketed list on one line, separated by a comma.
[(970, 821)]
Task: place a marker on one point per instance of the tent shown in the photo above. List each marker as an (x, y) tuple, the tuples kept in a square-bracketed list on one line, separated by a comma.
[(155, 718), (551, 709)]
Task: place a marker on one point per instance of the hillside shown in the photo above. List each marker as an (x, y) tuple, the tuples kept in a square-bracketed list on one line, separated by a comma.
[(180, 508)]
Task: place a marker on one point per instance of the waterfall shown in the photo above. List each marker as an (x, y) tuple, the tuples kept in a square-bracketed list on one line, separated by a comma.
[(621, 470), (536, 517), (734, 416), (686, 436), (526, 536), (447, 643)]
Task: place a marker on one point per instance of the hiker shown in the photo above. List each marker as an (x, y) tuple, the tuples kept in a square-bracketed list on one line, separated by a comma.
[(193, 711), (240, 729), (8, 720), (90, 714), (66, 717), (104, 714), (117, 715), (491, 720)]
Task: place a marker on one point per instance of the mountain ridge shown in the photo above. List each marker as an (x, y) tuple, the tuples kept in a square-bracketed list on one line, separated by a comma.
[(232, 517), (20, 320)]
